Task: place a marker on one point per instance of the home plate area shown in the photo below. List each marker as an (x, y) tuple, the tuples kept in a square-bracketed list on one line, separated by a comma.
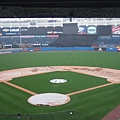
[(49, 99)]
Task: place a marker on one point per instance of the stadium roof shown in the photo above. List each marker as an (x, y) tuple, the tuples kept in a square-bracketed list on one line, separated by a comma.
[(62, 3), (59, 8)]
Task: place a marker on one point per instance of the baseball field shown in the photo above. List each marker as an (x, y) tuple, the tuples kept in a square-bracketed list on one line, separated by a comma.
[(90, 104)]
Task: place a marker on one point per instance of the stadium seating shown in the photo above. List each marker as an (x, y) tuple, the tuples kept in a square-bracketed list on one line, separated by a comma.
[(74, 40)]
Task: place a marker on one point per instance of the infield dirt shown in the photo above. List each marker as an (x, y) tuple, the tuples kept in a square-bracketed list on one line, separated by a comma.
[(111, 75)]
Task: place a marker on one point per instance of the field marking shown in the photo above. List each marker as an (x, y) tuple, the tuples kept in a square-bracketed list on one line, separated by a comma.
[(20, 88), (69, 94), (88, 89)]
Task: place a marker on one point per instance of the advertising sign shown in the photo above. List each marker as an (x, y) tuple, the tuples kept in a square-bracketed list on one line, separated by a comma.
[(10, 31), (53, 36), (82, 30), (115, 29), (91, 30), (54, 30)]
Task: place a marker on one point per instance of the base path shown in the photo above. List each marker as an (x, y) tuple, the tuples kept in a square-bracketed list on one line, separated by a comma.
[(51, 99), (20, 88), (93, 88)]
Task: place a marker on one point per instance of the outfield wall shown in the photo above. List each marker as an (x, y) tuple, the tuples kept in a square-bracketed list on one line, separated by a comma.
[(66, 48), (77, 49), (16, 50)]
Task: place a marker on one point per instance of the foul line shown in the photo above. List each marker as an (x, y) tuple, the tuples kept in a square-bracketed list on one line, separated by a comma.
[(20, 88), (93, 88), (69, 94)]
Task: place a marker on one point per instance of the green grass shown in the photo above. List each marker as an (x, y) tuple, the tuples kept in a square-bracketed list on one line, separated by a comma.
[(96, 103), (75, 82), (62, 58)]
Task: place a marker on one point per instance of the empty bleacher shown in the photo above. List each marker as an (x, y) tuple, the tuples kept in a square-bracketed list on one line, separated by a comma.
[(111, 42), (74, 40)]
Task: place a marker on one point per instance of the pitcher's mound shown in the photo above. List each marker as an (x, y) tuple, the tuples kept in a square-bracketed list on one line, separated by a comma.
[(49, 99)]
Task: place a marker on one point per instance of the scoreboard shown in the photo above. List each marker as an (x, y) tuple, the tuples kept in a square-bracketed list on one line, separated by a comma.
[(67, 28)]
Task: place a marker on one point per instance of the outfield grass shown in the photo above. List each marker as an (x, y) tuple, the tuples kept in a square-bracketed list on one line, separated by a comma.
[(96, 103), (60, 58)]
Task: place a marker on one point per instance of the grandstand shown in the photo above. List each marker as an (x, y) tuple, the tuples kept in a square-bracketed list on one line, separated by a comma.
[(60, 32)]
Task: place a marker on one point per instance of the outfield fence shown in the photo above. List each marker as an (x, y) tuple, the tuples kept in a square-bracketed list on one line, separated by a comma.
[(63, 115)]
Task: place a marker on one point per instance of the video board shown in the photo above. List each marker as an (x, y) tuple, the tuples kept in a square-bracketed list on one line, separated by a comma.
[(104, 30), (70, 28)]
